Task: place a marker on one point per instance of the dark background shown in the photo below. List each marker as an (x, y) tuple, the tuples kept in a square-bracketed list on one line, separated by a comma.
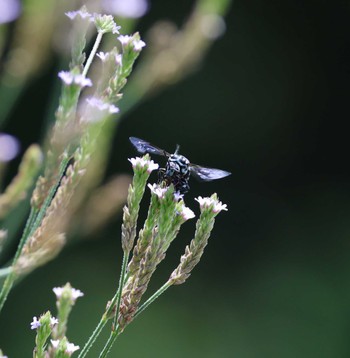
[(270, 104)]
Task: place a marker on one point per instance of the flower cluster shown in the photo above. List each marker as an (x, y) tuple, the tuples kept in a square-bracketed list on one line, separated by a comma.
[(69, 78), (103, 23), (135, 43), (143, 163), (47, 326)]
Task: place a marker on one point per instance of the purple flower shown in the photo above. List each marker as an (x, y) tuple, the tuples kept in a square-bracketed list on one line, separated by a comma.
[(9, 147), (126, 8), (178, 196), (35, 324), (9, 10), (69, 78), (101, 105)]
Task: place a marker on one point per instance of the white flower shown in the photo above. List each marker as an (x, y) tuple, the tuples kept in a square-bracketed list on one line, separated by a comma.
[(124, 39), (126, 8), (55, 343), (102, 106), (71, 348), (103, 55), (9, 10), (158, 190), (83, 13), (9, 147), (53, 321), (187, 213), (208, 202), (58, 291), (150, 164), (35, 323), (76, 294), (138, 44), (68, 78), (73, 292)]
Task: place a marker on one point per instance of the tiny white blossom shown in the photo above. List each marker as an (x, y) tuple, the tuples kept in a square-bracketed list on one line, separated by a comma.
[(82, 81), (53, 321), (124, 39), (55, 343), (187, 213), (76, 294), (58, 291), (158, 190), (71, 348), (219, 206), (138, 45), (103, 55), (68, 78), (83, 13), (207, 202), (101, 105), (150, 164), (35, 323)]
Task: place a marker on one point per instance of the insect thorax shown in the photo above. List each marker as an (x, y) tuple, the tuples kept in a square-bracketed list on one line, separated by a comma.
[(176, 172), (177, 165)]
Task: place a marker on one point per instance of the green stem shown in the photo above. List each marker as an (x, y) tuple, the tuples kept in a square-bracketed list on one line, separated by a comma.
[(33, 222), (121, 285), (92, 53), (153, 298), (108, 346), (94, 336), (115, 333), (106, 316)]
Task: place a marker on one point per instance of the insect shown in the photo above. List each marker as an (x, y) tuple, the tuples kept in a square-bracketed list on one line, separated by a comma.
[(178, 168)]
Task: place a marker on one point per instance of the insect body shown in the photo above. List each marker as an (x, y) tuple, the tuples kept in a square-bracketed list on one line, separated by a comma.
[(178, 168)]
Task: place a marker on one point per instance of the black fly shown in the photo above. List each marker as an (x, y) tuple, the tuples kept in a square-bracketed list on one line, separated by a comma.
[(178, 168)]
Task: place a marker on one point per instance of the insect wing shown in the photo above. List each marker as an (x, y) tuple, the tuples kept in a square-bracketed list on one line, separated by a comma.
[(145, 147), (207, 174)]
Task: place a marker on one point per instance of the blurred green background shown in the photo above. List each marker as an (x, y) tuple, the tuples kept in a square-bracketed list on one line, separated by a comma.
[(270, 104)]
